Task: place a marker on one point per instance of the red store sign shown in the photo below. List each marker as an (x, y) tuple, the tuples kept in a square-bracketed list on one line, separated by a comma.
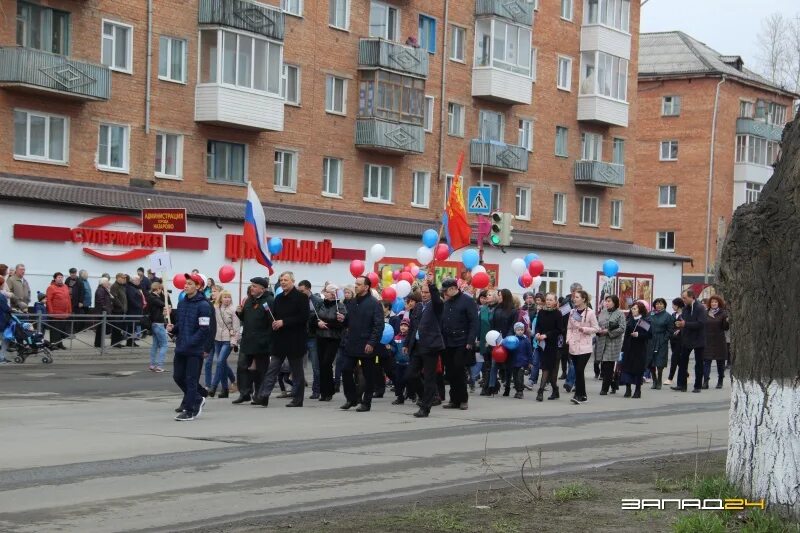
[(295, 251)]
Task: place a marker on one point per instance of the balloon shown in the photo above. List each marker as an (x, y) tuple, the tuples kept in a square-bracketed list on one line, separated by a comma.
[(424, 255), (275, 245), (421, 274), (278, 291), (525, 280), (406, 269), (414, 270), (442, 252), (403, 288), (398, 306), (389, 294), (357, 267), (535, 268), (518, 266), (530, 257), (479, 268), (226, 274), (430, 238), (499, 354), (470, 258), (406, 276), (377, 252), (480, 280), (537, 281), (388, 334), (179, 281), (395, 275), (373, 279), (386, 277), (511, 342), (493, 338), (610, 268)]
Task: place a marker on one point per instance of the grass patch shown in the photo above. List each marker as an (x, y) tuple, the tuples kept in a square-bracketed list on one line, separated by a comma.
[(715, 487), (758, 521), (573, 492), (666, 484), (700, 522), (445, 519), (505, 525)]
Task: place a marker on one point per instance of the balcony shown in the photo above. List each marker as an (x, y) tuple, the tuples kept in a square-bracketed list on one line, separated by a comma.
[(43, 72), (382, 54), (604, 39), (519, 11), (749, 126), (596, 108), (243, 15), (385, 136), (599, 174), (222, 105), (497, 156), (499, 85), (751, 172)]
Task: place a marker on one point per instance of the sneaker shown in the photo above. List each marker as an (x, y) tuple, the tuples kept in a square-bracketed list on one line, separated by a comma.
[(667, 382), (158, 370), (200, 409), (151, 368), (185, 416), (528, 387), (578, 400)]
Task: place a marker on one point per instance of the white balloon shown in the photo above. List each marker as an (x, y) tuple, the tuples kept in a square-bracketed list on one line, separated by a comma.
[(478, 268), (537, 281), (378, 252), (403, 288), (424, 255), (494, 338), (518, 266)]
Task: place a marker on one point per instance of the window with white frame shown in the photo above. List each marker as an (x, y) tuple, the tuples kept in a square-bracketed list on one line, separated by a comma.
[(491, 125), (117, 49), (566, 9), (564, 81), (522, 203), (605, 75), (561, 141), (776, 114), (292, 7), (42, 28), (503, 45), (589, 210), (665, 241), (112, 147), (427, 33), (172, 59), (667, 196), (378, 183), (669, 151), (285, 171), (526, 134), (226, 162), (335, 95), (291, 84), (591, 147), (448, 182), (420, 189), (458, 37), (756, 150), (429, 112), (391, 96), (384, 21), (242, 61), (745, 109), (495, 195), (41, 136), (332, 176), (455, 119), (616, 214), (612, 13), (670, 106), (559, 208), (752, 191), (535, 8), (169, 155), (339, 14), (551, 281), (619, 151)]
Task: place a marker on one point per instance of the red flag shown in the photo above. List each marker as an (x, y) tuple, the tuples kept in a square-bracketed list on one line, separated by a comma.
[(456, 226)]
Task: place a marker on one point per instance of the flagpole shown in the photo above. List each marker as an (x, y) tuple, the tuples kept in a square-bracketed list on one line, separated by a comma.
[(241, 267)]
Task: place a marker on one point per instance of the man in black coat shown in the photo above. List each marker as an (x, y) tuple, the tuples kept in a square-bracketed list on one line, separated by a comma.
[(135, 310), (460, 331), (255, 346), (365, 324), (692, 325), (290, 334), (424, 343)]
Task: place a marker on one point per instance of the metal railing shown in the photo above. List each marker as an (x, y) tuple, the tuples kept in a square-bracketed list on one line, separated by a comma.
[(243, 15), (519, 11), (498, 155), (380, 53), (599, 173), (54, 72), (391, 136)]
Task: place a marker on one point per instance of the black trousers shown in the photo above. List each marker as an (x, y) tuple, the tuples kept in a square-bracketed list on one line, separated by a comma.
[(271, 377), (519, 379), (250, 380), (326, 351), (422, 373), (362, 395), (384, 367), (580, 362), (59, 330), (607, 371), (454, 361), (683, 367)]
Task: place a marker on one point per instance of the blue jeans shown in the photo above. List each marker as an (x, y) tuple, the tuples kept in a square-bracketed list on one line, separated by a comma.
[(475, 372), (313, 357), (570, 374), (537, 363), (208, 370), (158, 351), (224, 373)]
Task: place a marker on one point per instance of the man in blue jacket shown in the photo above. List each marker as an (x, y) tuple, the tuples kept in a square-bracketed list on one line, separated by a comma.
[(193, 335), (460, 331)]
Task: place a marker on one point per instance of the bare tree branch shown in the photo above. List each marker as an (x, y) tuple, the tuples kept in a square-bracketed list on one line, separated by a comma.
[(773, 45)]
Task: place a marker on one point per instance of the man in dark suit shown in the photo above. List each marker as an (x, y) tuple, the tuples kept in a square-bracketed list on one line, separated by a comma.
[(692, 325), (460, 331), (424, 343)]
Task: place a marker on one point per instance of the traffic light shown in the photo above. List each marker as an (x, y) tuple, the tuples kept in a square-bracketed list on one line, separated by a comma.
[(501, 229)]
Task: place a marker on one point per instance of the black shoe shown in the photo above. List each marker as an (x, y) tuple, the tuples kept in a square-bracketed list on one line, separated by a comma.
[(291, 404), (212, 392), (185, 416), (485, 392), (377, 395), (562, 376), (567, 387), (654, 385), (422, 413), (450, 405), (637, 393), (398, 401), (678, 389), (179, 409), (223, 394), (518, 395), (347, 405), (263, 402), (540, 395), (363, 408), (507, 391), (578, 400), (603, 393), (719, 383), (705, 383), (436, 402), (325, 398), (554, 395), (337, 388), (241, 399), (314, 396), (696, 390)]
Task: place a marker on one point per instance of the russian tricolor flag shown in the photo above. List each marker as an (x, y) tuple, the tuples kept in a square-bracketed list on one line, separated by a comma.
[(255, 227)]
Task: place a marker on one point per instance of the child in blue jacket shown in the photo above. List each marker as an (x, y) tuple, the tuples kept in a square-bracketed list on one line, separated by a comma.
[(401, 361), (521, 358)]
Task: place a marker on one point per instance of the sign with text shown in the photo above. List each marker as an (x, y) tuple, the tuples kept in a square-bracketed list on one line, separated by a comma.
[(164, 220), (161, 262)]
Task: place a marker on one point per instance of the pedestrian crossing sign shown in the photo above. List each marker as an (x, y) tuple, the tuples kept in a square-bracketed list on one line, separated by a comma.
[(479, 200)]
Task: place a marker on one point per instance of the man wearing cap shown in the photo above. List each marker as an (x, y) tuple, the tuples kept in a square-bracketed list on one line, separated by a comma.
[(255, 315), (424, 342), (193, 333), (460, 332)]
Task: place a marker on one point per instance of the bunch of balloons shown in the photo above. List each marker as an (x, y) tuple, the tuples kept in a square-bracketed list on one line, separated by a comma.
[(528, 269)]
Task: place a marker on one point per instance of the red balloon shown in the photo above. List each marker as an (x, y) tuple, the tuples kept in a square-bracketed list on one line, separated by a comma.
[(499, 354), (442, 252), (480, 280), (527, 279), (179, 281), (406, 276), (389, 294), (357, 267), (535, 268), (226, 273), (373, 279), (396, 275), (406, 268)]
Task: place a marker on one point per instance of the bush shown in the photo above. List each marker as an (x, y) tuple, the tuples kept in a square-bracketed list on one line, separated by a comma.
[(717, 487), (573, 491), (758, 521)]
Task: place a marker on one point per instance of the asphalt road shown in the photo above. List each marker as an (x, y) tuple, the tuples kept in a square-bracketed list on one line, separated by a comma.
[(92, 446)]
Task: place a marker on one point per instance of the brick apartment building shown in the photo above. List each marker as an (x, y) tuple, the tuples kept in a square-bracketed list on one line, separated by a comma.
[(683, 86), (346, 116)]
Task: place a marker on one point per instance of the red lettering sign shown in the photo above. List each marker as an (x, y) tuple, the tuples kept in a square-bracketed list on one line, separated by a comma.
[(164, 220), (294, 251)]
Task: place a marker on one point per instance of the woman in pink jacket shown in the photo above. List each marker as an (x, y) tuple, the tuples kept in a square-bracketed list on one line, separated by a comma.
[(581, 328)]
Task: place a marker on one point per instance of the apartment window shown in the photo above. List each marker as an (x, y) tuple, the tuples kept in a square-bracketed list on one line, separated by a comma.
[(526, 134), (429, 112), (745, 109), (612, 13), (591, 147), (522, 203), (117, 52), (339, 14), (112, 150), (172, 59), (503, 45), (561, 141), (42, 28), (552, 281), (491, 125), (291, 84), (669, 151), (616, 214), (665, 241), (384, 21), (671, 106), (589, 210), (332, 176), (420, 189), (564, 73), (225, 162), (776, 114), (559, 208), (455, 119), (752, 191), (566, 9), (292, 7), (448, 182), (458, 37), (605, 75), (336, 95), (391, 96), (495, 195), (241, 61), (169, 155), (427, 33), (285, 171), (378, 183), (619, 151), (756, 150), (40, 136), (667, 196)]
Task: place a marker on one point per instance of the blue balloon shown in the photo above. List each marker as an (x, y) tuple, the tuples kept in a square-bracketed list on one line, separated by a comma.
[(529, 258), (398, 305), (610, 268), (511, 342), (275, 245), (430, 238), (278, 291), (470, 258), (388, 334), (421, 274)]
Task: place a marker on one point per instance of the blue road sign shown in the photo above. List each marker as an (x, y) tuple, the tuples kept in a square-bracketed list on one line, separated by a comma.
[(479, 201)]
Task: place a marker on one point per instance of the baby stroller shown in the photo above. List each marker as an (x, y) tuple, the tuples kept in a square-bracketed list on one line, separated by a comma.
[(27, 341)]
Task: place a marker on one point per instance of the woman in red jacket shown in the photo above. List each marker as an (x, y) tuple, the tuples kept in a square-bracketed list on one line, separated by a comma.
[(59, 308)]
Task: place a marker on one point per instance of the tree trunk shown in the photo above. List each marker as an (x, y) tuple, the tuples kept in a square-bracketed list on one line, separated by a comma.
[(759, 275)]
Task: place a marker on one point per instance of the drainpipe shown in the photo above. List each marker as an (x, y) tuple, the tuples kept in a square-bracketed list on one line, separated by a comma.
[(148, 82), (443, 96), (711, 181)]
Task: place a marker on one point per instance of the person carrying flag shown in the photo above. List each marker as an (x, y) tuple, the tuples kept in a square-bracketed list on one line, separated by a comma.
[(256, 317)]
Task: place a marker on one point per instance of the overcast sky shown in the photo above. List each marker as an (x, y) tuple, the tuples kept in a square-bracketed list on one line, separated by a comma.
[(727, 26)]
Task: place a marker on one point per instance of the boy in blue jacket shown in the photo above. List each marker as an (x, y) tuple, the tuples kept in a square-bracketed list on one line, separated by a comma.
[(522, 358), (400, 362)]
